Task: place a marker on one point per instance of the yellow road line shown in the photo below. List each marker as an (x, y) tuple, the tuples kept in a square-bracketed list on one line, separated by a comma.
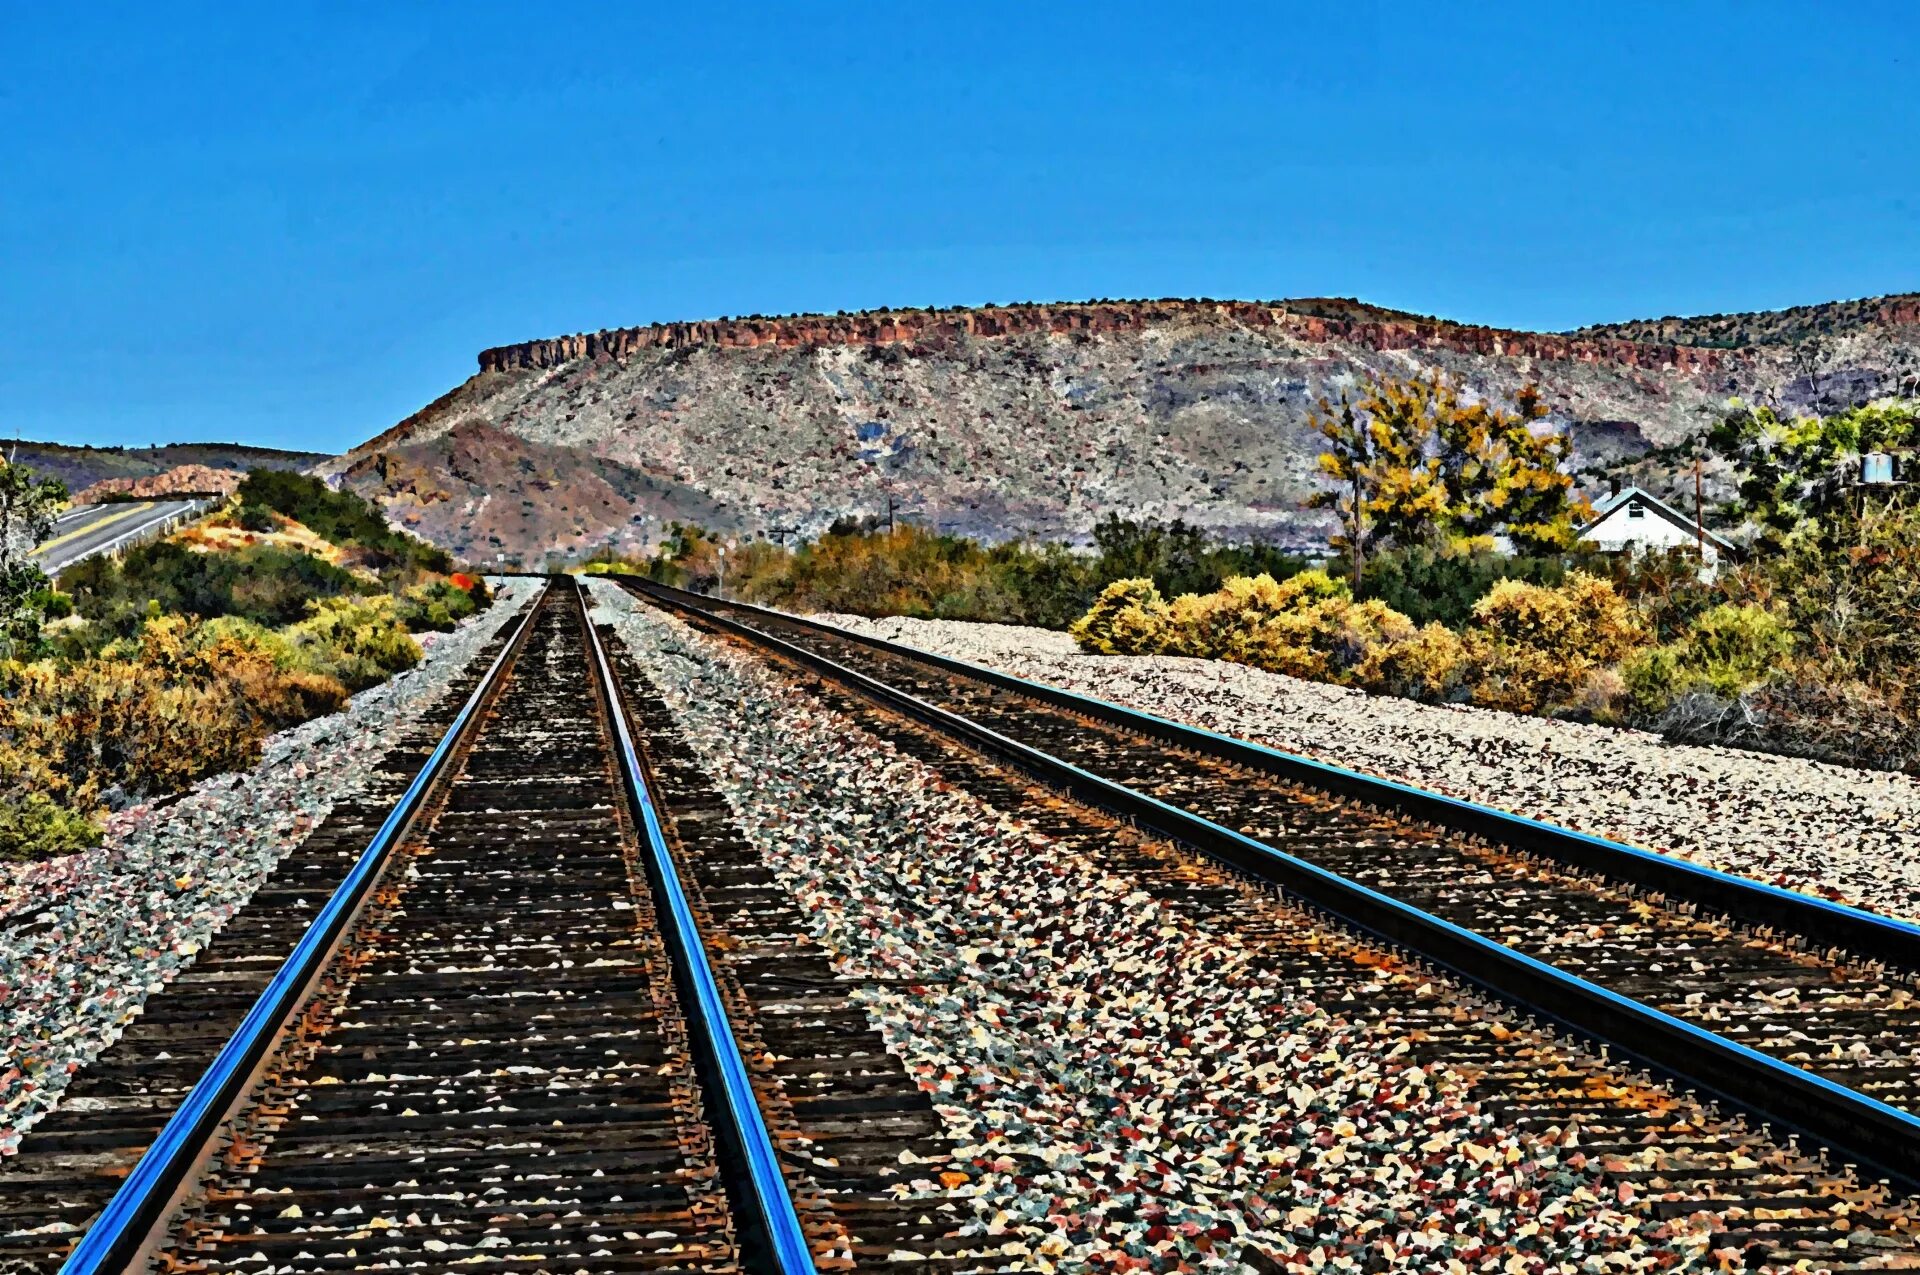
[(91, 527)]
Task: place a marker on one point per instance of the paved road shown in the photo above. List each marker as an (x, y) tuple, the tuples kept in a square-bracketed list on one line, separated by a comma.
[(86, 530)]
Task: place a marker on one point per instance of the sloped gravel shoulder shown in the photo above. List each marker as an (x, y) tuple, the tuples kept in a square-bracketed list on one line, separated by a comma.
[(1833, 831), (89, 937), (1130, 1090)]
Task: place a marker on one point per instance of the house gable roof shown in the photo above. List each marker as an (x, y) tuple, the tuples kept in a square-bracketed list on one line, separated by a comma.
[(1619, 500)]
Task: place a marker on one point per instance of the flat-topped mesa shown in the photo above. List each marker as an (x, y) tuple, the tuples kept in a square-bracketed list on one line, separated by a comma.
[(894, 326)]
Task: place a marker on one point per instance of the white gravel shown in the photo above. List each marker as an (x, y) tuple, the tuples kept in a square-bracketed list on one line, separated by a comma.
[(1127, 1087), (1840, 833), (112, 925)]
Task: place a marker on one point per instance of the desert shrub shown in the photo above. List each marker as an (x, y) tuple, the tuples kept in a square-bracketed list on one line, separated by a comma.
[(1304, 626), (1220, 625), (1533, 646), (1311, 586), (33, 826), (152, 714), (1325, 638), (1728, 650), (1427, 664), (356, 642), (1428, 583), (1850, 724), (1128, 618), (148, 715)]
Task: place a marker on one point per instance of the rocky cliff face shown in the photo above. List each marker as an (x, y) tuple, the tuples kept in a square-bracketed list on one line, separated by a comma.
[(1022, 420), (1310, 321)]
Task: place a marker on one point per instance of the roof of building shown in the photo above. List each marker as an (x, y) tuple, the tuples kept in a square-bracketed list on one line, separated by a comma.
[(1625, 495)]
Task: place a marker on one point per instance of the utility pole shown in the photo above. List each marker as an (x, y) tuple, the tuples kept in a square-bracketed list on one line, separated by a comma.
[(1699, 515)]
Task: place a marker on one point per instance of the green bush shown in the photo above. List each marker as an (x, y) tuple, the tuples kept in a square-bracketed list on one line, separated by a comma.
[(1178, 558), (438, 605), (256, 518), (34, 826), (264, 583), (1733, 648), (340, 518), (356, 642), (1729, 651)]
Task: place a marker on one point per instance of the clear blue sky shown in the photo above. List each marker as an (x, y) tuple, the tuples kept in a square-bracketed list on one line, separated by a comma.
[(294, 224)]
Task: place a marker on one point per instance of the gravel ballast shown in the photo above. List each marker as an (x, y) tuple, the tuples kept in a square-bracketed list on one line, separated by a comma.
[(1129, 1088), (90, 936), (1833, 831)]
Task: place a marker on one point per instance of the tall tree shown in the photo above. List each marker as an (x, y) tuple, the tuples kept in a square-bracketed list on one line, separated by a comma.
[(1410, 504), (1415, 464), (1502, 473), (1352, 460)]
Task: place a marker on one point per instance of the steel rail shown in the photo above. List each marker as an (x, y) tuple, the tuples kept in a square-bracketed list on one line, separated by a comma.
[(1819, 921), (1879, 1138), (760, 1178), (145, 1201)]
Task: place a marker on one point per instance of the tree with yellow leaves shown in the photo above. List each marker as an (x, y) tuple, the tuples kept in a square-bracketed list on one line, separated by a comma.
[(1415, 464)]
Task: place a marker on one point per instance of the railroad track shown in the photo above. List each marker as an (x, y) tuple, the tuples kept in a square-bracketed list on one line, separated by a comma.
[(1811, 1037), (554, 1018), (71, 1163), (560, 1016)]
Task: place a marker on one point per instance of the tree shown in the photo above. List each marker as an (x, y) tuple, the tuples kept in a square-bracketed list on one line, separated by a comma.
[(27, 507), (1410, 503), (1352, 461), (1502, 474), (1418, 466), (1175, 555), (1797, 473)]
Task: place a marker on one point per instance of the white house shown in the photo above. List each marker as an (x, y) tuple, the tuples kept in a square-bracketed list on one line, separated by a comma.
[(1637, 521)]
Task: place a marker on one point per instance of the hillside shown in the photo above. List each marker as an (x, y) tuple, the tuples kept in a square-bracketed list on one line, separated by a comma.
[(1796, 325), (1029, 419), (81, 467)]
